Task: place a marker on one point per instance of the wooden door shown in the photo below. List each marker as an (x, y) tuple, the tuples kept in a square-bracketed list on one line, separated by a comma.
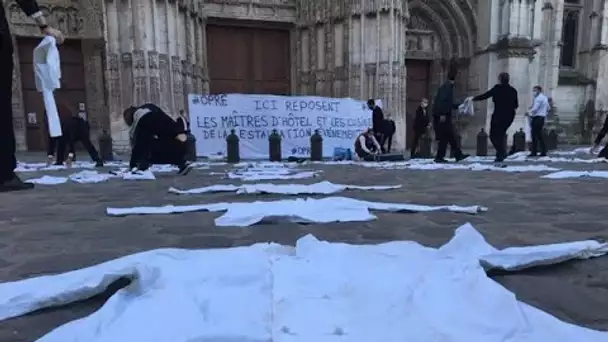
[(417, 88), (248, 60), (70, 98)]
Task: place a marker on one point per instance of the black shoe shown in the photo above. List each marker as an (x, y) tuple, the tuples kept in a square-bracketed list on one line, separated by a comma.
[(441, 161), (185, 169), (499, 159), (543, 154), (532, 155), (462, 157), (15, 184), (58, 164), (99, 163)]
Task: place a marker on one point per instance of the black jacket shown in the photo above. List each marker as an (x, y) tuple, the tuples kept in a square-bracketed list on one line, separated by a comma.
[(505, 101), (422, 119), (155, 124), (444, 100), (377, 119)]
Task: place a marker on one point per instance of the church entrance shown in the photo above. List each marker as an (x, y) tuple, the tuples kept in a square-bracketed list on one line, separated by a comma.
[(417, 88)]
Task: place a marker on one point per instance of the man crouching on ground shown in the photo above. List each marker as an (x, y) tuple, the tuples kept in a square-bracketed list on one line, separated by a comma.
[(147, 122), (367, 146)]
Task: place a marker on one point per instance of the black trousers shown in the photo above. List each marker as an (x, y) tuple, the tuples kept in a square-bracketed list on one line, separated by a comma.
[(174, 150), (388, 142), (380, 139), (538, 140), (57, 145), (445, 133), (418, 133), (69, 141), (498, 131), (8, 162)]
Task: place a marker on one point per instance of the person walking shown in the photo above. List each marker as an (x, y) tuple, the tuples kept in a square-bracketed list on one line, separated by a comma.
[(9, 181), (421, 125), (506, 103), (445, 132)]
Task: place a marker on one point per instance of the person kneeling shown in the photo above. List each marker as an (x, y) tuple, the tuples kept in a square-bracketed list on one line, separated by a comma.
[(366, 146), (147, 122)]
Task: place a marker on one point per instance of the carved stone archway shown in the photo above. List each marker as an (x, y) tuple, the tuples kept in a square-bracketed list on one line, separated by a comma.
[(453, 26)]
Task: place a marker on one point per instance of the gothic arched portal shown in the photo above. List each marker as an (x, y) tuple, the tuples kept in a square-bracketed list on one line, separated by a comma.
[(440, 34)]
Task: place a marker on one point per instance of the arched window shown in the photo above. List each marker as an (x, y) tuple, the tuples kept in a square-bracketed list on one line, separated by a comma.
[(572, 9)]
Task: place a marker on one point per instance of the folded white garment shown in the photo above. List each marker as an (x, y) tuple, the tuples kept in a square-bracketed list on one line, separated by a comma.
[(318, 291), (321, 188), (48, 180), (89, 177), (330, 209), (260, 176), (426, 165), (576, 174), (127, 174)]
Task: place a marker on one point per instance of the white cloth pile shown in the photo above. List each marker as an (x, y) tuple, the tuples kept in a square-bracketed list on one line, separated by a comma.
[(316, 291), (310, 210), (92, 177), (321, 188)]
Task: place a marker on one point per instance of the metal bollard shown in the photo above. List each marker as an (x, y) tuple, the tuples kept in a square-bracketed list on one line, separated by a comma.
[(105, 146), (274, 146), (519, 140), (426, 142), (316, 146), (482, 143), (232, 148), (552, 140)]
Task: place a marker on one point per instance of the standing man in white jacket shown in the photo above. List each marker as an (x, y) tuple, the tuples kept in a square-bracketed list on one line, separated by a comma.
[(538, 113)]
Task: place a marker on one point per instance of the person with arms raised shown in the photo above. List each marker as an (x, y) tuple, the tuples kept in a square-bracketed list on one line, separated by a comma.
[(9, 181)]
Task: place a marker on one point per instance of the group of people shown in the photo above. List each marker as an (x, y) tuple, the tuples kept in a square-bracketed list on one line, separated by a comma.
[(372, 142), (506, 103)]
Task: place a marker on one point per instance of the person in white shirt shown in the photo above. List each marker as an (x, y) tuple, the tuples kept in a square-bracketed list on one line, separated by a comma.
[(537, 114), (366, 145)]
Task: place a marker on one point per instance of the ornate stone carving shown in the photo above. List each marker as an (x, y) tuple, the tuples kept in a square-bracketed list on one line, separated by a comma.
[(515, 48), (127, 58), (418, 23), (176, 64), (152, 59), (139, 61), (112, 61)]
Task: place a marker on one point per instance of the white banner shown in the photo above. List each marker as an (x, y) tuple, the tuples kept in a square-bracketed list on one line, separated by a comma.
[(253, 117)]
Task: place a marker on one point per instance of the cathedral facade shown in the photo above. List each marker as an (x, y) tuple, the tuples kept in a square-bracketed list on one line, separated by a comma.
[(124, 52)]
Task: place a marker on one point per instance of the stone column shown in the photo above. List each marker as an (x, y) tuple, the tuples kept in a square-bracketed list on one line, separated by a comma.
[(515, 51), (601, 59)]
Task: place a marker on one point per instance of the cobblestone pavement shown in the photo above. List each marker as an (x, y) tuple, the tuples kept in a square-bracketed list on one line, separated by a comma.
[(61, 228)]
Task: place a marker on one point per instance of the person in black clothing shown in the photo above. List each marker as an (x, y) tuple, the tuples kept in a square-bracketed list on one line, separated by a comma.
[(183, 121), (389, 129), (422, 121), (377, 119), (8, 179), (442, 120), (75, 129), (598, 140), (149, 122), (366, 145), (505, 101)]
